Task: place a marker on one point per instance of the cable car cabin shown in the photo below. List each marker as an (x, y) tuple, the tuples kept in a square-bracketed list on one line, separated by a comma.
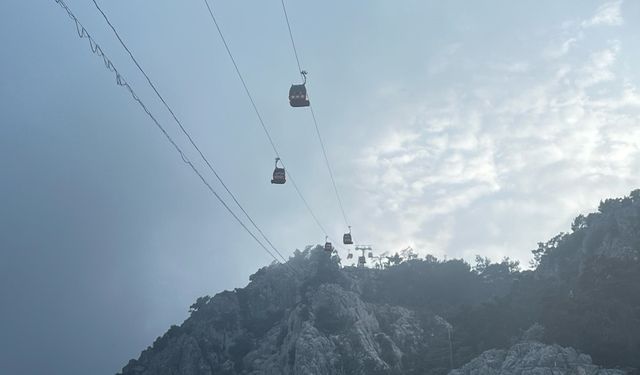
[(279, 175), (361, 261), (346, 239), (298, 96), (328, 247)]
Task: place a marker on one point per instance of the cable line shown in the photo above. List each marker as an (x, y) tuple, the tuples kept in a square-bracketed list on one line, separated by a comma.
[(184, 131), (295, 50), (326, 159), (315, 121), (244, 84), (120, 81), (257, 112)]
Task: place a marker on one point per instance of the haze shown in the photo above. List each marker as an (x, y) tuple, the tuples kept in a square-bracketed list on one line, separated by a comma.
[(456, 128)]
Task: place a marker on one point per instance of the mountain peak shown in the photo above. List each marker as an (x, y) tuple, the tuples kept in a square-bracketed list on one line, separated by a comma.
[(415, 316)]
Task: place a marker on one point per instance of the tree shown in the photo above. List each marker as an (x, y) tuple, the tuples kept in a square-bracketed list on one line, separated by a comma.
[(200, 302), (546, 248), (512, 265), (482, 263), (579, 222), (430, 259), (409, 253), (635, 196), (395, 260)]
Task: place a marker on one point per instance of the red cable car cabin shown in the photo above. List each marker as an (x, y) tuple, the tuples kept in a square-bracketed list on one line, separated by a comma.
[(298, 93), (298, 96), (279, 175), (347, 239)]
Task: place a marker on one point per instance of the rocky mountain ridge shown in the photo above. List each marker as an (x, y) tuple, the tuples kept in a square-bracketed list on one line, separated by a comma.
[(325, 328), (533, 358), (312, 316)]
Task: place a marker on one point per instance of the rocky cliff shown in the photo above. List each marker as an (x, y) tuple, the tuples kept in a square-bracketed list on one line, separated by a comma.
[(284, 323), (533, 358), (425, 316)]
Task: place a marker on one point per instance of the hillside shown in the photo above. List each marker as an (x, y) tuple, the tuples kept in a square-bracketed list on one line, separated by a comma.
[(312, 316)]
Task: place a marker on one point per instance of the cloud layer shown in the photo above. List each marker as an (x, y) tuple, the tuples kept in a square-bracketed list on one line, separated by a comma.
[(510, 155), (608, 14)]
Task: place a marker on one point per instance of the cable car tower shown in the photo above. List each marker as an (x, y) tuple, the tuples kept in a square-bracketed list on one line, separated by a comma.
[(362, 260)]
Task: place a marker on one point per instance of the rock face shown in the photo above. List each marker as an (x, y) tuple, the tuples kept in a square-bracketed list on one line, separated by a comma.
[(426, 316), (284, 323), (533, 358)]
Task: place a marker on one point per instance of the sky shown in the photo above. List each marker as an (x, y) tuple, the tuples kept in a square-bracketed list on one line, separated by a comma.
[(454, 127)]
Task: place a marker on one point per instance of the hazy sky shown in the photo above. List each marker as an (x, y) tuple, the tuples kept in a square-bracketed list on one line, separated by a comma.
[(455, 127)]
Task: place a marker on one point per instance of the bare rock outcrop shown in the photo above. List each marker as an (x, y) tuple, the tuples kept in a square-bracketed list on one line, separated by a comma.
[(533, 358)]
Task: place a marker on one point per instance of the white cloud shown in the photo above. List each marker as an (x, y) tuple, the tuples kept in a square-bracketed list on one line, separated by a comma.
[(608, 14), (557, 51), (495, 166), (598, 69)]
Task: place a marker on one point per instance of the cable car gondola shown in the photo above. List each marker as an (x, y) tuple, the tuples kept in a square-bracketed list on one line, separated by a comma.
[(328, 247), (346, 238), (279, 176), (298, 93)]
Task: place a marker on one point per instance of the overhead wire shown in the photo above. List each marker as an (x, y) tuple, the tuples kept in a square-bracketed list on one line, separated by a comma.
[(120, 81), (260, 118), (315, 120), (326, 159), (184, 130), (293, 43)]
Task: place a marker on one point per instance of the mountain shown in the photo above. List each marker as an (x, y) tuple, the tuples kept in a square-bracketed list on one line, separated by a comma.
[(426, 316), (532, 358)]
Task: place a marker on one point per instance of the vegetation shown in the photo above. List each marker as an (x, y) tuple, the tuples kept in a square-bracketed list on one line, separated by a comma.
[(583, 292)]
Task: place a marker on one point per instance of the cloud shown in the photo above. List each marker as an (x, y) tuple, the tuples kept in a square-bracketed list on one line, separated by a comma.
[(557, 51), (598, 69), (608, 14), (496, 165)]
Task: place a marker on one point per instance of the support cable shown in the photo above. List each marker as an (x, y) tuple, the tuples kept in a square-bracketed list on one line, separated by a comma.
[(326, 159), (293, 43), (120, 81), (315, 121), (184, 131), (259, 116)]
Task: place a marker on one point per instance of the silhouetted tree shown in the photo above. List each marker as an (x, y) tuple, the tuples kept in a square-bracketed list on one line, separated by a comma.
[(200, 302), (395, 260)]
